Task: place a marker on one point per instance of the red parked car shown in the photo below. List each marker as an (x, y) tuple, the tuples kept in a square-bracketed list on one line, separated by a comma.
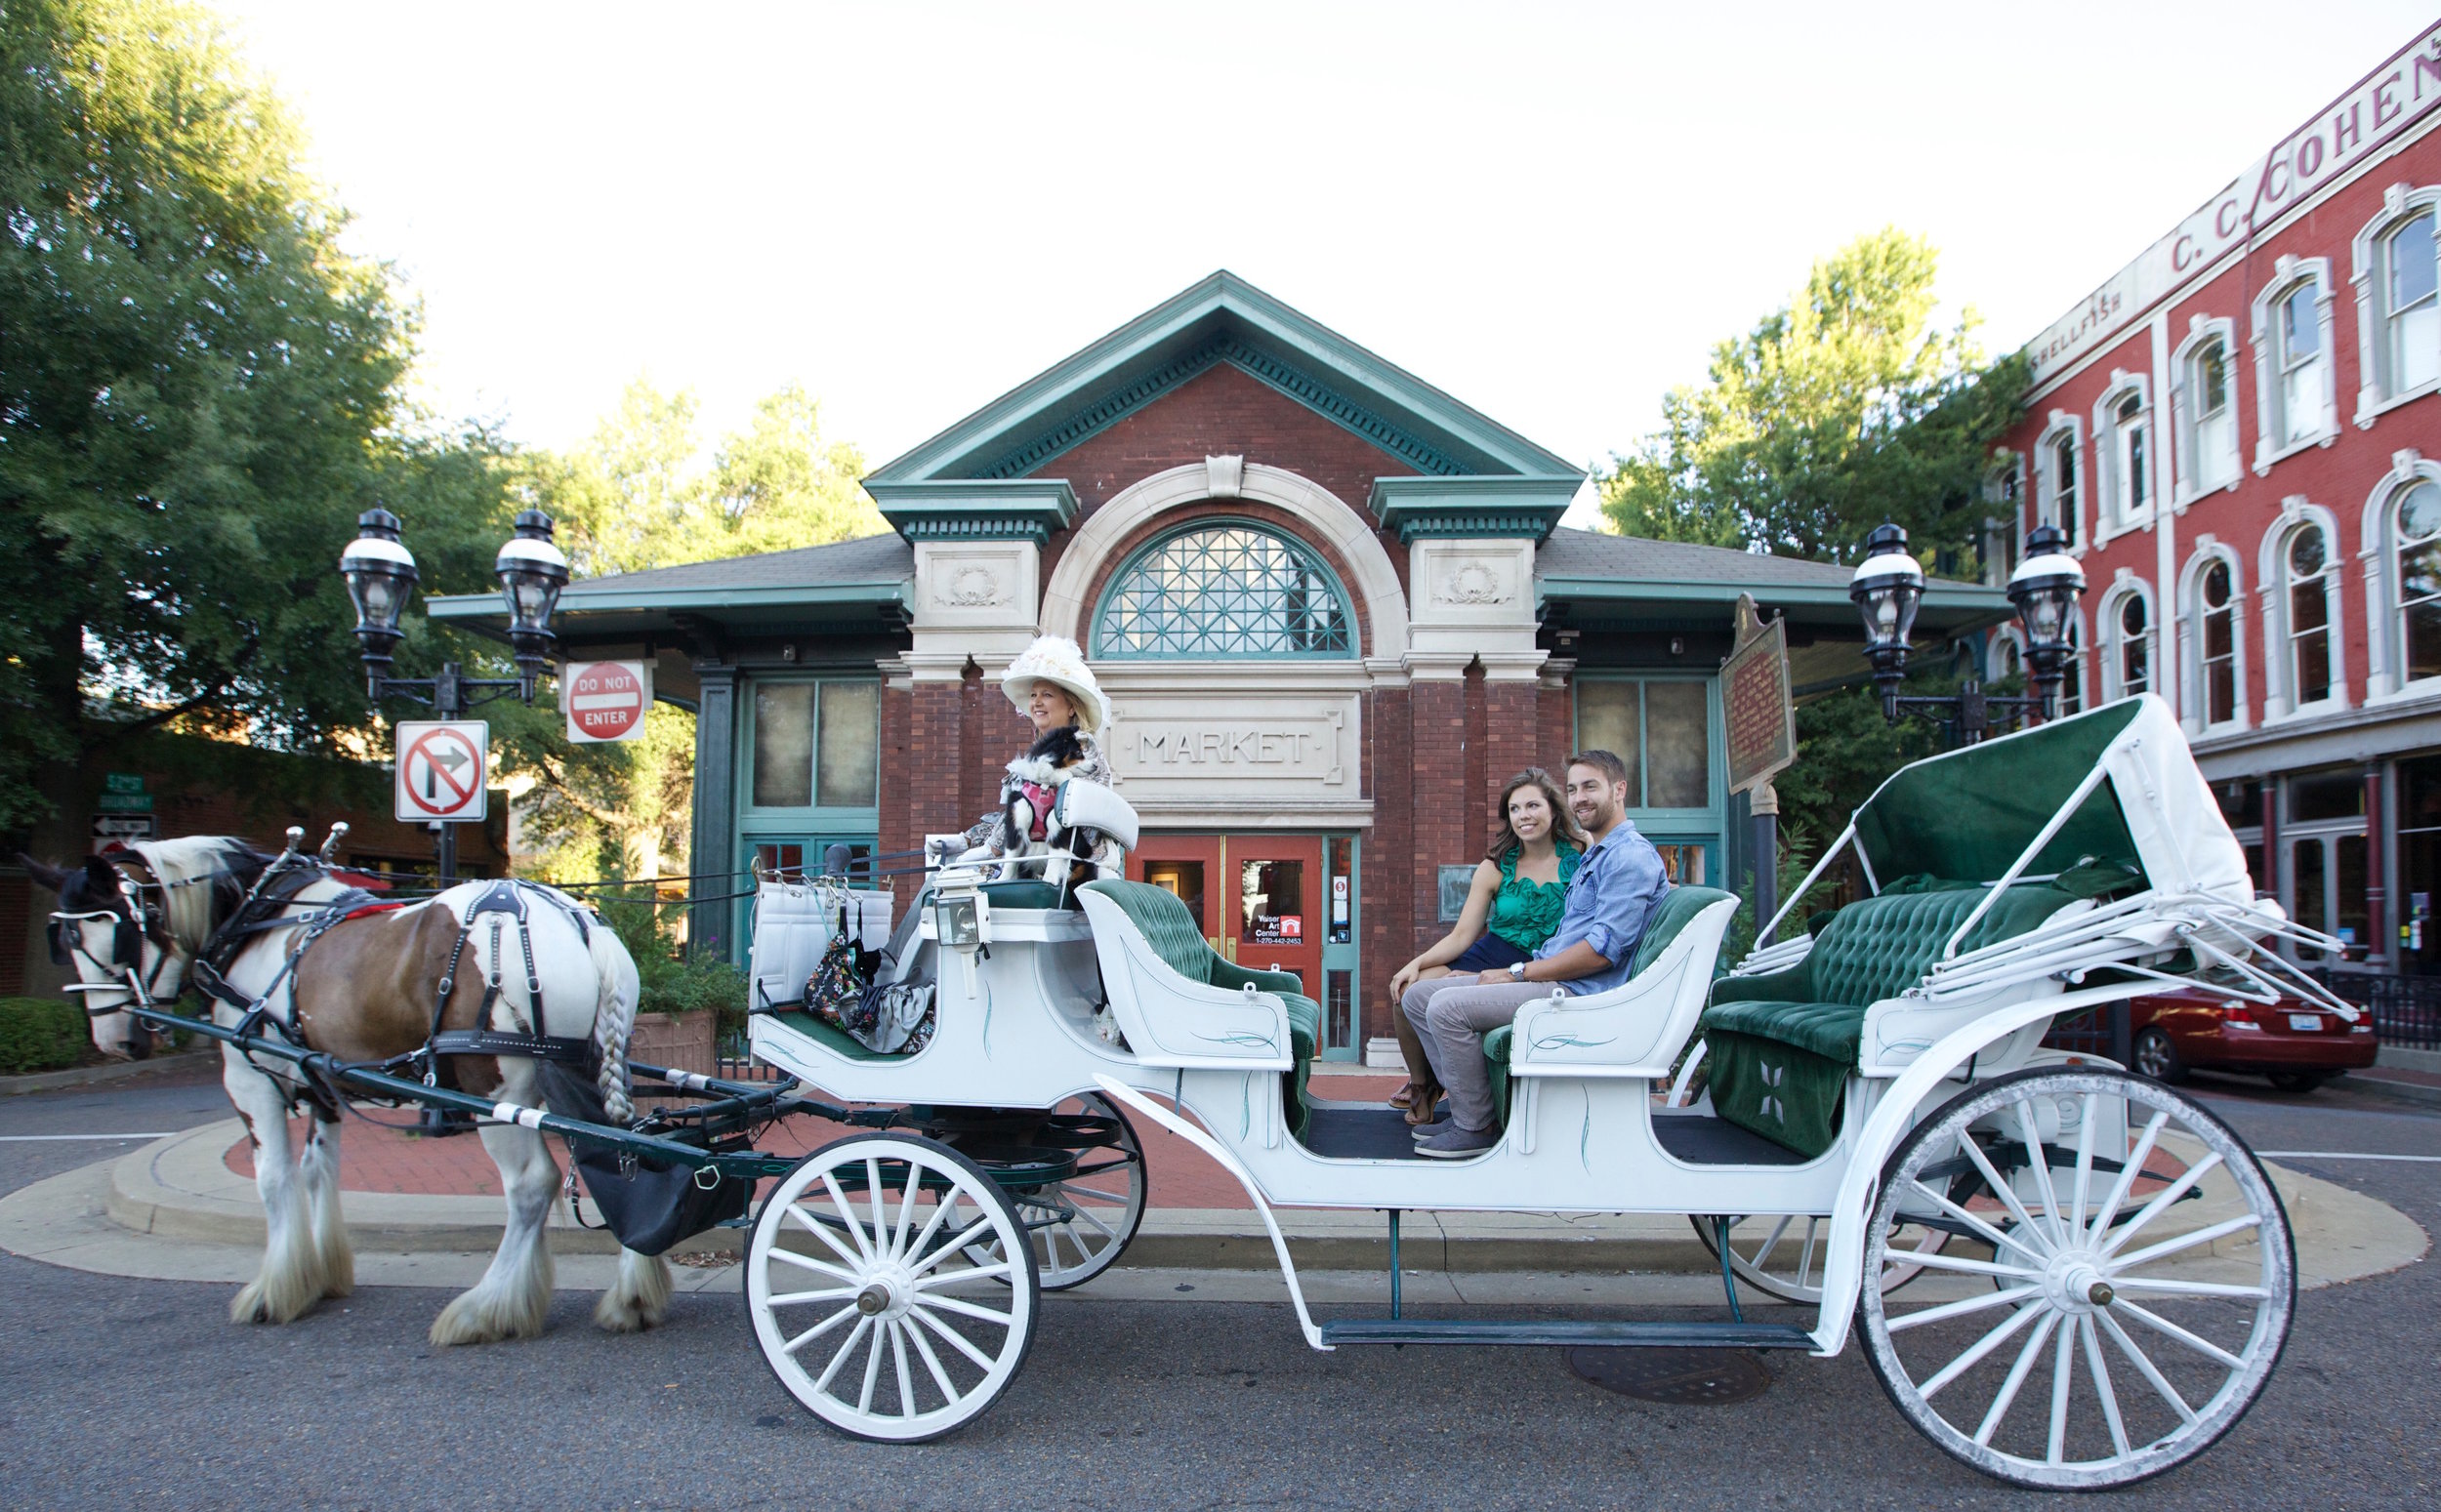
[(2296, 1044)]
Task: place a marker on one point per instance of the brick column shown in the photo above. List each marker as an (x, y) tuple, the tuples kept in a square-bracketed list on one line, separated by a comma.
[(1387, 853), (1440, 803)]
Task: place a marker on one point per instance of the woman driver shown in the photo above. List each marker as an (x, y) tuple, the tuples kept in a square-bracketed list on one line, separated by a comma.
[(1512, 905), (1053, 688)]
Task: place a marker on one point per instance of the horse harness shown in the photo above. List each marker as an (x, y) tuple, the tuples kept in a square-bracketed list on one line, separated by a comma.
[(505, 903)]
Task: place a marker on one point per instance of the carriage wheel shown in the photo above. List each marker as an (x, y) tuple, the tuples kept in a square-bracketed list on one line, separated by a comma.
[(2129, 1326), (1103, 1203), (872, 1294), (1782, 1255)]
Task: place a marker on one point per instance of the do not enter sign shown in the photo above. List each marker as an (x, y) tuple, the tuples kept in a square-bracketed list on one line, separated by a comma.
[(605, 701), (441, 770)]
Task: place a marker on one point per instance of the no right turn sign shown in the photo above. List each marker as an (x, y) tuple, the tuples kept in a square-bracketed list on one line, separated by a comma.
[(442, 765)]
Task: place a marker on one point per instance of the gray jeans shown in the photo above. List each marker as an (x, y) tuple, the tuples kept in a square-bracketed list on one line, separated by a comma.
[(1451, 1015)]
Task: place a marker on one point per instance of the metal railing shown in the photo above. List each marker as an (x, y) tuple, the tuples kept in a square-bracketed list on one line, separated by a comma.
[(2406, 1010)]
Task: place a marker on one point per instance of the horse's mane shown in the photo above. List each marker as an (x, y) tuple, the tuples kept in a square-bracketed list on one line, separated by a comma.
[(203, 878)]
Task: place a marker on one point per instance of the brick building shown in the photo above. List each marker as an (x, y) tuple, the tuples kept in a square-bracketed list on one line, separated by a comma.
[(2241, 433), (1331, 605)]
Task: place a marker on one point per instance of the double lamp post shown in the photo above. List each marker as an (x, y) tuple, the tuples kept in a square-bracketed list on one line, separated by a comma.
[(2044, 589), (381, 574)]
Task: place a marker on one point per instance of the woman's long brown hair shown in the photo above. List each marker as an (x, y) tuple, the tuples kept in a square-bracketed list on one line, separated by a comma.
[(1564, 824)]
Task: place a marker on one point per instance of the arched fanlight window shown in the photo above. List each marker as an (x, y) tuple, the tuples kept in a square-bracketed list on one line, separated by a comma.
[(2133, 655), (1224, 589), (2216, 642), (2311, 571), (2411, 306), (2418, 531)]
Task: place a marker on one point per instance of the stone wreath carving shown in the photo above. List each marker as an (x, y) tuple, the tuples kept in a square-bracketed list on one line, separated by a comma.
[(971, 588), (1471, 583)]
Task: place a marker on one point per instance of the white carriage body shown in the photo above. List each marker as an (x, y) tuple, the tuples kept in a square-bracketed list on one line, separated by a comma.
[(1589, 1130)]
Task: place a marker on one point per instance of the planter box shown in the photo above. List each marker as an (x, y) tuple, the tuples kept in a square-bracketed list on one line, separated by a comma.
[(681, 1041)]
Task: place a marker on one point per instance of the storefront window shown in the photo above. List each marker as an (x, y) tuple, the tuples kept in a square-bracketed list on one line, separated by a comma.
[(818, 744), (1225, 590), (2331, 793), (2420, 863), (1662, 730)]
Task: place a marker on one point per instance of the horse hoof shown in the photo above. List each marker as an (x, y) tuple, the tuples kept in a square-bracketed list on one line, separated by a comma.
[(254, 1304)]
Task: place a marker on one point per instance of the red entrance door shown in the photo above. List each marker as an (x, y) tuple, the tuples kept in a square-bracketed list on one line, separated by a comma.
[(1258, 898)]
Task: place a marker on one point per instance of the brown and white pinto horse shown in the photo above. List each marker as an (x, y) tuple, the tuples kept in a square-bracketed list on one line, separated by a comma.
[(135, 920)]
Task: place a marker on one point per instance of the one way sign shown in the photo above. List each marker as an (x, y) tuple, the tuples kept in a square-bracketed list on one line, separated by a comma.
[(441, 770)]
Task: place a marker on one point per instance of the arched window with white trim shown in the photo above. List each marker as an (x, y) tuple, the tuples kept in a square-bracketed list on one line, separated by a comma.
[(2301, 603), (2127, 627), (2397, 276), (2057, 475), (2072, 670), (2295, 404), (2004, 487), (2124, 461), (2414, 518), (2216, 676), (2207, 409)]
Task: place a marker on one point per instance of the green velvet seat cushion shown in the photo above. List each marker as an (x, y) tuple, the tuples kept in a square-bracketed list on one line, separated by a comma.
[(1170, 927), (1022, 893), (1679, 908), (1830, 1030), (1790, 1096)]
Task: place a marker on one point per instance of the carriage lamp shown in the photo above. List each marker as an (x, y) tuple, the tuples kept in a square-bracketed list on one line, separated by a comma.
[(1889, 587), (959, 921), (531, 570), (380, 574), (2044, 589)]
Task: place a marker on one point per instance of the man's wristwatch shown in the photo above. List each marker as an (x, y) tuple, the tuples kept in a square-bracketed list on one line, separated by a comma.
[(1517, 970)]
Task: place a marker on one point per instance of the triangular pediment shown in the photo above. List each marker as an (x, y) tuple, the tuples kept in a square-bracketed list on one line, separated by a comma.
[(1222, 319)]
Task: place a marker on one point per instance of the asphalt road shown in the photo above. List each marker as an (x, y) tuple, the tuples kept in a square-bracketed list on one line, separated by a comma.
[(123, 1394)]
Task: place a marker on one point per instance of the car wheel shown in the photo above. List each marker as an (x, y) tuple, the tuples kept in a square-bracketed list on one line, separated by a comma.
[(2297, 1081), (2158, 1058)]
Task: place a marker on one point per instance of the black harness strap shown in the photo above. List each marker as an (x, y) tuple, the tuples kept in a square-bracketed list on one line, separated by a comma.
[(508, 898)]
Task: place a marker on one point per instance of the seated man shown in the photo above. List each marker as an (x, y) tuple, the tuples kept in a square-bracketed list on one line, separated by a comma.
[(1610, 900)]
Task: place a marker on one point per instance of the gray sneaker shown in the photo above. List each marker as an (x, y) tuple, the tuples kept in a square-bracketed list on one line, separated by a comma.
[(1456, 1144), (1439, 1126)]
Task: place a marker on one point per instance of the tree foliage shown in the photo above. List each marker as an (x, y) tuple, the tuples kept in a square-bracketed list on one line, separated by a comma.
[(1844, 409), (196, 394)]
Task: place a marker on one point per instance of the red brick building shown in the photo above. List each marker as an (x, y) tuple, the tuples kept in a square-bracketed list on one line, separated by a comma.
[(2241, 433), (1331, 607)]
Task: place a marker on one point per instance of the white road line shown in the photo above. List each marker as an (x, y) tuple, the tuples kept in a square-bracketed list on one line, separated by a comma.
[(16, 1139), (2342, 1155)]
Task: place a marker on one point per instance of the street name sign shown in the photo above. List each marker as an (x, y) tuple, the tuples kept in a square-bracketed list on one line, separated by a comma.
[(605, 701), (442, 768)]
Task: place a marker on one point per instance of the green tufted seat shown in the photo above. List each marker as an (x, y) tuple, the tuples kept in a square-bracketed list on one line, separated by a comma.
[(1781, 1046), (1170, 930), (1679, 908)]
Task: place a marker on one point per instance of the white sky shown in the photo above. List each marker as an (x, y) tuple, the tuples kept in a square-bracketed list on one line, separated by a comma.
[(1551, 211)]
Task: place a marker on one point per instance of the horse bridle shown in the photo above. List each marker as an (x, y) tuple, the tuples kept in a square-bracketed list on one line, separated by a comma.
[(127, 937)]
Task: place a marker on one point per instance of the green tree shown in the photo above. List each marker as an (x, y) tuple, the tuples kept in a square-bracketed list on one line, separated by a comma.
[(197, 393), (1847, 407)]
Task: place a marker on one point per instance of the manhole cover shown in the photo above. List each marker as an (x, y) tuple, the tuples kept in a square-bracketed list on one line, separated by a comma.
[(1711, 1377)]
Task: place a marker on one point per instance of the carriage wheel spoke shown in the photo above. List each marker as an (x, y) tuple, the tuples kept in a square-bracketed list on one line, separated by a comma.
[(872, 1370), (2127, 1173), (1086, 1214), (2062, 1355), (1974, 1304), (957, 1340), (2030, 1127), (809, 1262), (965, 1309), (906, 1209), (941, 1215), (2163, 1326), (822, 1231), (958, 1245), (2187, 1241), (932, 1361), (906, 1382), (830, 1372), (2088, 1106), (818, 1329), (954, 1277), (1998, 1239), (1999, 1185), (2101, 1384), (1999, 1334), (1959, 1262), (2008, 1396), (1772, 1241), (1805, 1257), (876, 1192), (2160, 1201), (797, 1298), (2167, 1287), (2146, 1369), (848, 1216)]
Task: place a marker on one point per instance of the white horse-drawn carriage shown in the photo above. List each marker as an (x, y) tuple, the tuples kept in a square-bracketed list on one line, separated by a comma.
[(2101, 1274), (2065, 1275)]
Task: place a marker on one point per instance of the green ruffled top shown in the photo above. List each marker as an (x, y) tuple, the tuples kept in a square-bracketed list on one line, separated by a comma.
[(1524, 911)]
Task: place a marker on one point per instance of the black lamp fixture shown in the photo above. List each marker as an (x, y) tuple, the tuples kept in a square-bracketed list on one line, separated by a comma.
[(1889, 585), (532, 571), (381, 574)]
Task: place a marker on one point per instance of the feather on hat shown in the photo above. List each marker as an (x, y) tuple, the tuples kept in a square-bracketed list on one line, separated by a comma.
[(1060, 662)]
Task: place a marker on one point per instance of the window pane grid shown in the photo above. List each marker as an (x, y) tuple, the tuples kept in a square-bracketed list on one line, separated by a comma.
[(2219, 643), (1225, 590), (2309, 616), (1661, 731), (2419, 533), (816, 744), (2415, 305)]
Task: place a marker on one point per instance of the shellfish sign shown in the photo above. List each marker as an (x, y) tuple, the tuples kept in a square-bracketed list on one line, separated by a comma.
[(605, 701)]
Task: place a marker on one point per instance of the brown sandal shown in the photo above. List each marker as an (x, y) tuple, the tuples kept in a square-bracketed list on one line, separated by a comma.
[(1421, 1110), (1404, 1097)]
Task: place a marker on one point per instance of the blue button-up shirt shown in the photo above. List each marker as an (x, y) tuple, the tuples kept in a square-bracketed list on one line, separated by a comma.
[(1618, 885)]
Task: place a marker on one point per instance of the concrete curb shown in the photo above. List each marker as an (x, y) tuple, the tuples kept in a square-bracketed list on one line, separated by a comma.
[(2379, 1085), (115, 1071), (178, 1195)]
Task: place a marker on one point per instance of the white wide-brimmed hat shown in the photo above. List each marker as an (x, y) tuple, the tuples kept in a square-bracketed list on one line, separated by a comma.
[(1058, 661)]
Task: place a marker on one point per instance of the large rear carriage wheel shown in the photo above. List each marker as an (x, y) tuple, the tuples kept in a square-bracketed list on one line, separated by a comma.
[(2141, 1278), (1082, 1223), (892, 1288)]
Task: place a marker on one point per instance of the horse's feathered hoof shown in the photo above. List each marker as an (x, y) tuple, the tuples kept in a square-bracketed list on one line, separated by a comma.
[(258, 1302), (482, 1317), (638, 1299)]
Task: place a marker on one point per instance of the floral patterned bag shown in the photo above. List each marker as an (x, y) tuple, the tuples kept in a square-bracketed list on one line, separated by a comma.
[(835, 992)]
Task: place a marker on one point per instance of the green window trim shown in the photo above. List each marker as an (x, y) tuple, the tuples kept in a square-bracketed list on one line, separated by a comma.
[(1224, 590)]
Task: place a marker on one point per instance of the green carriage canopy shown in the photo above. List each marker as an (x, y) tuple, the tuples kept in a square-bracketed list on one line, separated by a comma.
[(1967, 815)]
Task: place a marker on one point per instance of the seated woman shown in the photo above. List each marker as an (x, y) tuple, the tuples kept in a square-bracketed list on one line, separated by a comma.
[(1053, 688), (1513, 906)]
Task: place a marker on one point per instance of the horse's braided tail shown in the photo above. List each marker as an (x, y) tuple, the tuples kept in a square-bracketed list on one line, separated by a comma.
[(614, 1018)]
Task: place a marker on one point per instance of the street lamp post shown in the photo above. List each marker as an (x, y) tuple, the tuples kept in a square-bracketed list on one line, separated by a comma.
[(1886, 588), (381, 575)]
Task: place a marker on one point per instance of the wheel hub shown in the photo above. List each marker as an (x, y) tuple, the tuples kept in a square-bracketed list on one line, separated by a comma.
[(2074, 1284)]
